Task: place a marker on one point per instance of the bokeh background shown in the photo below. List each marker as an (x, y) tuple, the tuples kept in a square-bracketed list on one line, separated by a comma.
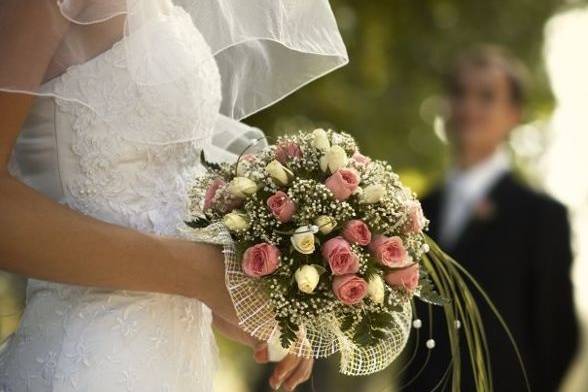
[(390, 98)]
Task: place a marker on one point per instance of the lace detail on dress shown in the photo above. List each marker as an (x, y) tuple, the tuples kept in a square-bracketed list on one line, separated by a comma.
[(183, 109), (137, 184)]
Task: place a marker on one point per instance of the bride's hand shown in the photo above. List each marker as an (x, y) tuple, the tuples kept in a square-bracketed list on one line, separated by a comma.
[(289, 372)]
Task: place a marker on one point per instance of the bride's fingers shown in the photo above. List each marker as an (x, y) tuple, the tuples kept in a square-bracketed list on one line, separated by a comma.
[(260, 353), (300, 375), (283, 370)]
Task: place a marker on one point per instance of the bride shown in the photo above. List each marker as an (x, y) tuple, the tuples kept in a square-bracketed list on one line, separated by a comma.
[(104, 108)]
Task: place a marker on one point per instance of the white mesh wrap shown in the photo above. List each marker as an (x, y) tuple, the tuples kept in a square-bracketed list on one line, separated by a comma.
[(321, 337)]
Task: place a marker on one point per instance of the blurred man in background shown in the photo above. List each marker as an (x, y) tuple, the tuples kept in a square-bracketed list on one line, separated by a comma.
[(515, 242)]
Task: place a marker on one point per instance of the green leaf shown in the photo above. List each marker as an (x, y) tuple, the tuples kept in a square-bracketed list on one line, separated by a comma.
[(382, 320), (198, 222), (321, 270), (380, 334), (429, 294), (287, 332), (212, 166), (347, 322)]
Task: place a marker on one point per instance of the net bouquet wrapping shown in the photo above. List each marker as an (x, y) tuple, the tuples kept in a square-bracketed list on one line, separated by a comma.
[(323, 247)]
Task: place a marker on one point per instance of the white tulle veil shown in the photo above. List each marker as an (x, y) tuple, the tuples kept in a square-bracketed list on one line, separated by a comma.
[(264, 49)]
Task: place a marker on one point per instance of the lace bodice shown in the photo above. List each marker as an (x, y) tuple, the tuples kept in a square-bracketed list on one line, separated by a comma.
[(104, 170), (125, 160)]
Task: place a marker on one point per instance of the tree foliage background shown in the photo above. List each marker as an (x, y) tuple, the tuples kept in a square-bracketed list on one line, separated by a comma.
[(390, 93)]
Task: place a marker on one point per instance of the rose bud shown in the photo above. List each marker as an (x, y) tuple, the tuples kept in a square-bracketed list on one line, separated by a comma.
[(338, 253), (376, 289), (349, 289), (288, 150), (372, 194), (261, 260), (416, 218), (357, 232), (279, 173), (235, 221), (242, 187), (303, 240), (360, 159), (406, 278), (325, 224), (320, 140), (281, 206), (210, 195), (390, 251), (307, 278), (343, 183)]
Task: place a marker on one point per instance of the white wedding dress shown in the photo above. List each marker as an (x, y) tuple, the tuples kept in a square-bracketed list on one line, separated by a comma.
[(87, 339), (122, 152)]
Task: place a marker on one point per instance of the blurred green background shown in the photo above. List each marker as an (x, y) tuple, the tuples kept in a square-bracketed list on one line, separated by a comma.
[(390, 93)]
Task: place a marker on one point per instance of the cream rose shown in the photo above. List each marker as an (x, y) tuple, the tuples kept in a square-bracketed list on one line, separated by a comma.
[(235, 221), (320, 139), (325, 223), (278, 172), (242, 187), (372, 194), (307, 278), (335, 159), (303, 240), (376, 289)]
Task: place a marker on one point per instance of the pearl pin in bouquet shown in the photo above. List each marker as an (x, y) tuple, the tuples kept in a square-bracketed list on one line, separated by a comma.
[(326, 250)]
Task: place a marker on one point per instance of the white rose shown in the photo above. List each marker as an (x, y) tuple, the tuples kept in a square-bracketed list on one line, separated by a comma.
[(376, 289), (324, 163), (236, 222), (320, 139), (336, 158), (242, 187), (303, 240), (278, 172), (325, 223), (307, 278), (372, 194)]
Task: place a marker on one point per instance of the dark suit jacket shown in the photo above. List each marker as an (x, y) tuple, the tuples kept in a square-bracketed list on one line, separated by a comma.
[(517, 245)]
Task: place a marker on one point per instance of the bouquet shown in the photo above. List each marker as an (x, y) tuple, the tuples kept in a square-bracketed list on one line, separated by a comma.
[(325, 249)]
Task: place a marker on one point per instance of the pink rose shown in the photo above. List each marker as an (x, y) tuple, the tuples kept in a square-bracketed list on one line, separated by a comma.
[(349, 289), (407, 278), (260, 260), (288, 150), (416, 222), (389, 251), (249, 157), (281, 206), (357, 232), (361, 159), (216, 184), (343, 183), (340, 257)]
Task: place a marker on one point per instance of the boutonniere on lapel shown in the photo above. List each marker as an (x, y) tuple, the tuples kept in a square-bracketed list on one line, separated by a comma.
[(484, 210)]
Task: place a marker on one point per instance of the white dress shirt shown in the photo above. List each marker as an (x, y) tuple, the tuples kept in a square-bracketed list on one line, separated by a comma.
[(464, 189)]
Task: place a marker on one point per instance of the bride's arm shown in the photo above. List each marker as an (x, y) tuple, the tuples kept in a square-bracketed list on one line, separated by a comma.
[(40, 238)]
